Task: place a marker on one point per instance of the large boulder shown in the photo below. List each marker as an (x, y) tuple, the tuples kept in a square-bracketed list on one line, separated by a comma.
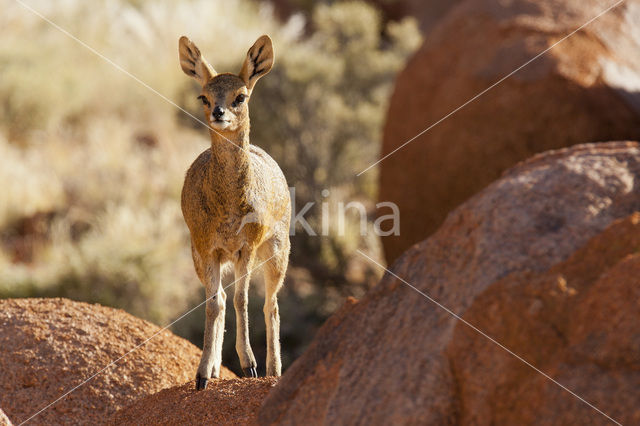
[(578, 322), (396, 357), (585, 89), (50, 346)]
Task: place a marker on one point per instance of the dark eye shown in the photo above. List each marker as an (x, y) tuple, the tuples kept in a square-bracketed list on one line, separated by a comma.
[(240, 99), (204, 100)]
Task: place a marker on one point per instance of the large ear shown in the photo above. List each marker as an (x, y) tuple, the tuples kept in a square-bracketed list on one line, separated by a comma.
[(192, 62), (258, 62)]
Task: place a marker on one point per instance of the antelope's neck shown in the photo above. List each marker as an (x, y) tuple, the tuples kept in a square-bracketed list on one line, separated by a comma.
[(231, 169)]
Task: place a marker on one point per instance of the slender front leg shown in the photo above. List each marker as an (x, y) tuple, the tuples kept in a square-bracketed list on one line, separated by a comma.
[(240, 302), (214, 326)]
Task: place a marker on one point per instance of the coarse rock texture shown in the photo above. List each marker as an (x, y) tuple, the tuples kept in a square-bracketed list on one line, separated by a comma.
[(4, 420), (579, 322), (397, 358), (585, 89), (48, 346), (224, 402)]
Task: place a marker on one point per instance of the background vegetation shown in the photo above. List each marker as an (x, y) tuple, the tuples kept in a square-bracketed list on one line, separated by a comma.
[(92, 162)]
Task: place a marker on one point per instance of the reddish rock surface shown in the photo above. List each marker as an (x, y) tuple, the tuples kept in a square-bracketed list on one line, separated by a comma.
[(578, 321), (397, 358), (48, 346), (586, 89), (224, 402)]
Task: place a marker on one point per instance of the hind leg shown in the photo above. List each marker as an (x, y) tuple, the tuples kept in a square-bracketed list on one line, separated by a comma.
[(274, 273), (241, 303)]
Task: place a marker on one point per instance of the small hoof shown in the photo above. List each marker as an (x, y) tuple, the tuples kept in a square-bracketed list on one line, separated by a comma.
[(201, 382), (250, 372)]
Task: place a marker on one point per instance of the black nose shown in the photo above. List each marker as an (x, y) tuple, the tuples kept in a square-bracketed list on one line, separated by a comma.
[(218, 111)]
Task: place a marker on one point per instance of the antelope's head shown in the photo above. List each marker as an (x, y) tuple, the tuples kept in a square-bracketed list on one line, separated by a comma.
[(225, 97)]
